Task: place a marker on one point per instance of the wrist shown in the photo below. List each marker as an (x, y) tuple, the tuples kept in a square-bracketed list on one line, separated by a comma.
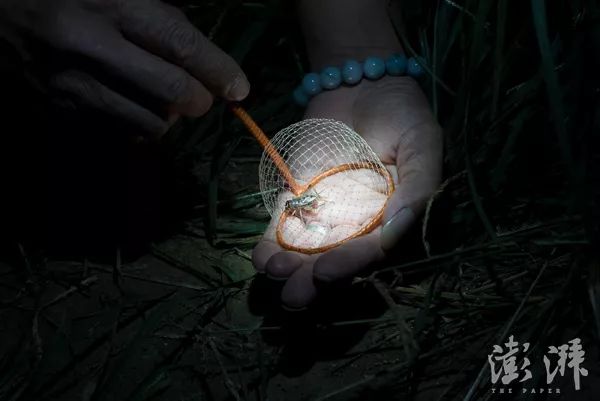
[(353, 72), (338, 30)]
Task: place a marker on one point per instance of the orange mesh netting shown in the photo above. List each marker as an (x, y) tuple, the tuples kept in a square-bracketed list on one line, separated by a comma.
[(321, 183)]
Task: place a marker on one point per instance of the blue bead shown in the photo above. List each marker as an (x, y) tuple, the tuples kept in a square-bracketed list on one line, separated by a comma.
[(352, 72), (312, 84), (374, 67), (331, 78), (414, 69), (300, 97), (396, 65)]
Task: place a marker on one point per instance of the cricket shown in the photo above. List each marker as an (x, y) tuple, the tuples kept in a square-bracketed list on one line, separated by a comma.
[(307, 202)]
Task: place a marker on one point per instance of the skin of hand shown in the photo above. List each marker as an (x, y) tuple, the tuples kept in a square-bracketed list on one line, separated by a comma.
[(393, 116), (167, 66), (346, 202)]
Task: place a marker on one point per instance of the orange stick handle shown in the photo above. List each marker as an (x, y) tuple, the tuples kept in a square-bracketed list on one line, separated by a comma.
[(266, 144)]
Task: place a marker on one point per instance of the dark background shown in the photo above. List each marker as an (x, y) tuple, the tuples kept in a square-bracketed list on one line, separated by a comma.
[(124, 271)]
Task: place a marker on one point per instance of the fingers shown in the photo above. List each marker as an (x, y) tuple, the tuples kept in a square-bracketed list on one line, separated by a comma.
[(340, 263), (89, 92), (301, 271), (166, 82), (299, 290), (269, 258), (262, 253), (349, 259), (150, 47), (283, 264), (165, 31), (419, 163)]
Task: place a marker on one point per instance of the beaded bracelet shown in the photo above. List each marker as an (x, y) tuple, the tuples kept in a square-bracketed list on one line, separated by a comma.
[(352, 72)]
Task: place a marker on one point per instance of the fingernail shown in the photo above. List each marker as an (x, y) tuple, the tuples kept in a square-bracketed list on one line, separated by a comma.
[(239, 89), (395, 227), (276, 278), (293, 308)]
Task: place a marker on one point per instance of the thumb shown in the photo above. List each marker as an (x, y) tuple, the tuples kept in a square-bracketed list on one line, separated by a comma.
[(419, 164)]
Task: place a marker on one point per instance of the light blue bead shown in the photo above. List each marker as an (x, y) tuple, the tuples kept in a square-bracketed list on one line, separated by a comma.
[(300, 97), (331, 78), (395, 65), (312, 84), (374, 67), (352, 72), (414, 69)]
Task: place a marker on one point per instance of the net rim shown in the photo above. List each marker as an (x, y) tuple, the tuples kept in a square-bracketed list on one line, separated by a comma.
[(373, 223)]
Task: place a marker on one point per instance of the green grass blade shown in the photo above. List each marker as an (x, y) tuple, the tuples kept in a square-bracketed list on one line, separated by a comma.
[(555, 95)]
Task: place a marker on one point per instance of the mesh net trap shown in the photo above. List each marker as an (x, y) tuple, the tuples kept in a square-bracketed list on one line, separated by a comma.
[(321, 183)]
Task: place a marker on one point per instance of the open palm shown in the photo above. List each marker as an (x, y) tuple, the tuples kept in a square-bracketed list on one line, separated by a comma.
[(393, 116)]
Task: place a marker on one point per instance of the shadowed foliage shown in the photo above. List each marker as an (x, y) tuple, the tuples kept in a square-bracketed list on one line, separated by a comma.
[(507, 245)]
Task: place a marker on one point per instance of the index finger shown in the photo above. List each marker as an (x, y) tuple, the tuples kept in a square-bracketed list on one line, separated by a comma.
[(165, 31)]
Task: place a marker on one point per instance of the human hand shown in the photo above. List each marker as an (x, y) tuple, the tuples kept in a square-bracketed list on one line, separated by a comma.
[(341, 206), (393, 116), (139, 60)]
